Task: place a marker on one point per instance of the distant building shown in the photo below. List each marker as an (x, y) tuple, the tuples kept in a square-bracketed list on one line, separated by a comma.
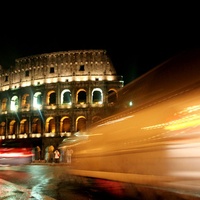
[(50, 96)]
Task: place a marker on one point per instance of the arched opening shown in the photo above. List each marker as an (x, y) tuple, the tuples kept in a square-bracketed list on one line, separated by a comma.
[(23, 126), (14, 103), (50, 125), (37, 100), (13, 127), (65, 124), (4, 104), (25, 101), (66, 97), (112, 96), (51, 98), (2, 128), (81, 96), (80, 124), (97, 96), (36, 125)]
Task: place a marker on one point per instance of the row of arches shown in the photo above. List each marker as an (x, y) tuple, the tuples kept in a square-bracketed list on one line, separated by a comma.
[(38, 99), (37, 125)]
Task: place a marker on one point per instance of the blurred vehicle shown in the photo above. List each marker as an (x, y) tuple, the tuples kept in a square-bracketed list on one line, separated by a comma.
[(15, 152), (152, 137)]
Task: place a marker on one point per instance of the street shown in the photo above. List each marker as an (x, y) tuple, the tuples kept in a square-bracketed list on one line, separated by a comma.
[(52, 182), (44, 182)]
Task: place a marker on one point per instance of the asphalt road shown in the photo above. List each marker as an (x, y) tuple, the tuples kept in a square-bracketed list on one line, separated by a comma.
[(45, 182), (50, 181)]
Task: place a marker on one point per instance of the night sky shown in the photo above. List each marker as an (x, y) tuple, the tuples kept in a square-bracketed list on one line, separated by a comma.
[(136, 37)]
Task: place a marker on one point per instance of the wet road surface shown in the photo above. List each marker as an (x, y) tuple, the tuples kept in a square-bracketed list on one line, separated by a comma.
[(45, 182), (52, 182)]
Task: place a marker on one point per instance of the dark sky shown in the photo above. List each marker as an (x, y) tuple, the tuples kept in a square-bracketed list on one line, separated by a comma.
[(136, 37)]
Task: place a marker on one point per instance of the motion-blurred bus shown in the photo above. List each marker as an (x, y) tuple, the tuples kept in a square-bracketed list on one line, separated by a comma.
[(155, 140)]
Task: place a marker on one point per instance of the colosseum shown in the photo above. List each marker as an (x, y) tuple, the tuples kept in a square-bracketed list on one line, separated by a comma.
[(51, 96)]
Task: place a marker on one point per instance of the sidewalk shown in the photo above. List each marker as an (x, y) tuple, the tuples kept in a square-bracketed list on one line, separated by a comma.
[(43, 162)]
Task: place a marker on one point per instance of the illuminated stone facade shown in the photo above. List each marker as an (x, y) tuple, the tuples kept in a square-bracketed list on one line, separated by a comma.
[(56, 94)]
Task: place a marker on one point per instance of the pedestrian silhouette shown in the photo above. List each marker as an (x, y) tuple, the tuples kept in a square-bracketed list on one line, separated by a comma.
[(51, 153), (56, 156), (37, 153), (69, 155)]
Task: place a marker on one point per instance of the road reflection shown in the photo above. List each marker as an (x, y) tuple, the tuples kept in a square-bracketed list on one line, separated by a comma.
[(49, 182)]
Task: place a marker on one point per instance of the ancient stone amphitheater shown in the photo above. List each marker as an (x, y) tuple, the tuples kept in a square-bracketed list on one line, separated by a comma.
[(50, 96)]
